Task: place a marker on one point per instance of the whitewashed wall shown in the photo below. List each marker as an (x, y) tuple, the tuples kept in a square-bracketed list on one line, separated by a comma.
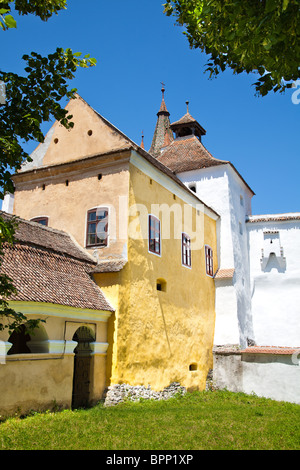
[(267, 375), (222, 189), (8, 203), (275, 280)]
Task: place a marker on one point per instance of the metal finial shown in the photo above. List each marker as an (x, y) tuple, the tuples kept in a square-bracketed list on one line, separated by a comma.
[(142, 143), (187, 106)]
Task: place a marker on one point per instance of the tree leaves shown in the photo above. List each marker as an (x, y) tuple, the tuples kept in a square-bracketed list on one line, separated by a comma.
[(261, 37), (32, 100), (7, 20), (29, 101)]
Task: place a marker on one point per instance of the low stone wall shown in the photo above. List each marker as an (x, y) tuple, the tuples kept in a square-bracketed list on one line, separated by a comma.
[(120, 392)]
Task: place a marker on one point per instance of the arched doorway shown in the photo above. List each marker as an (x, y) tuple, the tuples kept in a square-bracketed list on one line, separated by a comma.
[(82, 367)]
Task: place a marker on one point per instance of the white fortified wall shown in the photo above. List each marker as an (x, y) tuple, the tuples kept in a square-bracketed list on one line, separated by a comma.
[(275, 278)]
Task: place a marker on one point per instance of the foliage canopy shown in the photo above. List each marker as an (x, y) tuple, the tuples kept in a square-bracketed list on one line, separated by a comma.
[(260, 36), (26, 102)]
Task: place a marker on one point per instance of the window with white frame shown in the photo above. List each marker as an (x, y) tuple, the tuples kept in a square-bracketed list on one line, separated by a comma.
[(209, 261), (186, 250), (154, 238), (97, 227)]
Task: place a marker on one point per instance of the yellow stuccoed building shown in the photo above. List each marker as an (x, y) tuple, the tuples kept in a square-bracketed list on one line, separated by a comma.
[(152, 254)]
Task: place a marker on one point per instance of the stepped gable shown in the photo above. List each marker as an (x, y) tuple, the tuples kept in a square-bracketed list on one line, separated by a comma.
[(47, 266)]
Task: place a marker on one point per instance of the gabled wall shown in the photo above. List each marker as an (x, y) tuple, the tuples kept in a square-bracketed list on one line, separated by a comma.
[(66, 194), (91, 135)]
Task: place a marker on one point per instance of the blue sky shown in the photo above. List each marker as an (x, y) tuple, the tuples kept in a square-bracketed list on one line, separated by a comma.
[(137, 47)]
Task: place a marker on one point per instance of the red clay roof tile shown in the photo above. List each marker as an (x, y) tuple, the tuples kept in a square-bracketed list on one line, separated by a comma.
[(270, 350), (45, 265), (188, 153)]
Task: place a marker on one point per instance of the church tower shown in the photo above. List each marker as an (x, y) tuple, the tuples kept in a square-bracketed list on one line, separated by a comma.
[(163, 134), (218, 184)]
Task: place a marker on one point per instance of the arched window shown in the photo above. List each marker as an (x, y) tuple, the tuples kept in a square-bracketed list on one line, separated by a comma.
[(25, 343), (19, 339)]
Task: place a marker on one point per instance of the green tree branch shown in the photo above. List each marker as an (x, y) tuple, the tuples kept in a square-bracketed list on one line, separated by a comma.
[(253, 36), (27, 102)]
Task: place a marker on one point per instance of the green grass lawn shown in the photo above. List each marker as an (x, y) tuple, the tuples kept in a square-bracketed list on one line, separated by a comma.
[(210, 420)]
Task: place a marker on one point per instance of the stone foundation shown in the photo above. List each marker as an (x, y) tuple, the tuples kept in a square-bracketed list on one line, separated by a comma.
[(118, 393)]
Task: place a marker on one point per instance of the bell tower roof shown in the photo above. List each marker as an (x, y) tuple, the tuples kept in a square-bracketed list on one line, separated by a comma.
[(187, 125), (163, 132)]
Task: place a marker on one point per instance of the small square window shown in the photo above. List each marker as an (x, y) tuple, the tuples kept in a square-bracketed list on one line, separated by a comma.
[(161, 285)]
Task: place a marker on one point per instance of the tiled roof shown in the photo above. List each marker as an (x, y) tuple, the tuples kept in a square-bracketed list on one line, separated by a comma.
[(163, 133), (109, 266), (270, 350), (274, 217), (224, 273), (41, 275), (162, 128), (47, 237), (45, 271), (188, 121), (188, 153)]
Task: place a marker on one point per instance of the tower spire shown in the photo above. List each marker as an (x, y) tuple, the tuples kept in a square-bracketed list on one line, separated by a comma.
[(162, 127)]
